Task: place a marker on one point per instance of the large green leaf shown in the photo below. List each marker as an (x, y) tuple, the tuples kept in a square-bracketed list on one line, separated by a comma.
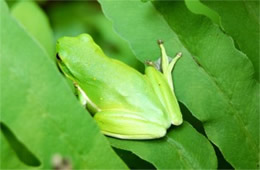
[(213, 79), (87, 17), (197, 7), (132, 160), (241, 20), (34, 20), (8, 158), (181, 148), (39, 108)]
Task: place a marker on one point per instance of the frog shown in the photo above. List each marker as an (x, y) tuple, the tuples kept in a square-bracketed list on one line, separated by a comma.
[(124, 102)]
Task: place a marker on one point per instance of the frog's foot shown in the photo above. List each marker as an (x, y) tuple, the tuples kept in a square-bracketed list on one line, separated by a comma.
[(127, 125), (167, 66)]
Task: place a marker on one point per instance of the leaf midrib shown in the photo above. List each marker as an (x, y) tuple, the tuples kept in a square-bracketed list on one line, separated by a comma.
[(188, 163), (233, 108), (227, 100)]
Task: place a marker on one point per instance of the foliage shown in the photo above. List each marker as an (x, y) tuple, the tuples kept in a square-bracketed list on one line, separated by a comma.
[(216, 83)]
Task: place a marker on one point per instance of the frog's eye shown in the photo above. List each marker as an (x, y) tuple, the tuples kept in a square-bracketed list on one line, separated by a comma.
[(58, 57), (58, 60)]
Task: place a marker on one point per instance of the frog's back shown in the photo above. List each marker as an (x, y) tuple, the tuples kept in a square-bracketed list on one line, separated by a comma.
[(107, 82)]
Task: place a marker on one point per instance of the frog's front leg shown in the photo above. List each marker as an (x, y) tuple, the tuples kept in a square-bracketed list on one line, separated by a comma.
[(126, 124), (84, 100)]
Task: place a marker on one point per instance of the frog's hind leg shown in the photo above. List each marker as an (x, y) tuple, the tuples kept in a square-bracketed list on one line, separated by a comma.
[(127, 125), (163, 85), (167, 66)]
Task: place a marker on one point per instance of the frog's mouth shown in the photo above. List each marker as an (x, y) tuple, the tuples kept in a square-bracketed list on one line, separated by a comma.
[(62, 67)]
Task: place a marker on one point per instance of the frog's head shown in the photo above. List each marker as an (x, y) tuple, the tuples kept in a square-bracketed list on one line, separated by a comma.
[(71, 53)]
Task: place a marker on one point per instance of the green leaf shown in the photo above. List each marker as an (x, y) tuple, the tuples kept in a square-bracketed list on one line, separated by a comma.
[(133, 161), (10, 159), (34, 20), (40, 109), (197, 7), (181, 148), (22, 152), (213, 79), (85, 17), (241, 20)]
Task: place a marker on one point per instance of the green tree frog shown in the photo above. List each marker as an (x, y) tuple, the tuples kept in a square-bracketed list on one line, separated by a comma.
[(125, 103)]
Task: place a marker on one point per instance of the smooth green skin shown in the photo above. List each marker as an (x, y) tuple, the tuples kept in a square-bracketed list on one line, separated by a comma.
[(126, 103)]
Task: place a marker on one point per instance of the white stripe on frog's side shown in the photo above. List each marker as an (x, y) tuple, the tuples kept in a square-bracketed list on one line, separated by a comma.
[(85, 100)]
